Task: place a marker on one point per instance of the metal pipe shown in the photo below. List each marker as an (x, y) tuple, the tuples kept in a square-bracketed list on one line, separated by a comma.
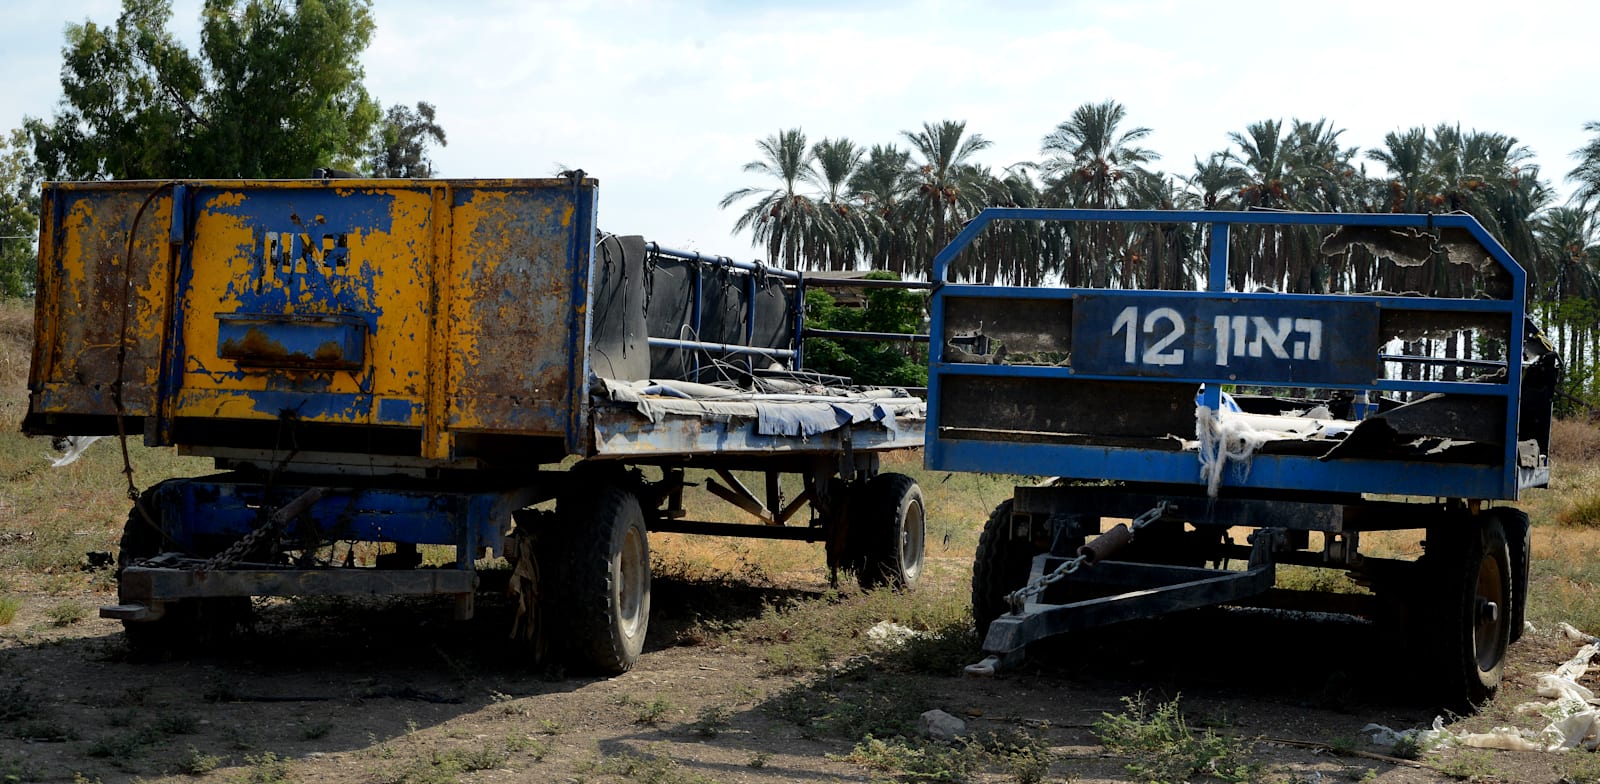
[(752, 530), (724, 261), (866, 283), (1421, 360), (910, 337), (723, 347)]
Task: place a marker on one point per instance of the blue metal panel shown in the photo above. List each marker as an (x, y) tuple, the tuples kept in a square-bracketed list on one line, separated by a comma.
[(1289, 343), (326, 341), (215, 507), (1293, 472), (1349, 358)]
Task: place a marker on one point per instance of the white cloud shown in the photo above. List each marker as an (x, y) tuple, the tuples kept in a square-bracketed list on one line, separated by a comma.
[(664, 101)]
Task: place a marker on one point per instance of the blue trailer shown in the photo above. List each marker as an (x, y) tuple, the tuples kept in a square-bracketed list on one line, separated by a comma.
[(380, 365), (1214, 409)]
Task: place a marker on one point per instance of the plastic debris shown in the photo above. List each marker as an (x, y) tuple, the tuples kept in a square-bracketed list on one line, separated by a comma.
[(75, 447), (1574, 721), (890, 634)]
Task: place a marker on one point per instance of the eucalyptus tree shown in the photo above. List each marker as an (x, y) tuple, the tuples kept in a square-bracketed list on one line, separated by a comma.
[(275, 90), (948, 187), (781, 218)]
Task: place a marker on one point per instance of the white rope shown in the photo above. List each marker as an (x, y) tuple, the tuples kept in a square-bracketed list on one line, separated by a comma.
[(1224, 438)]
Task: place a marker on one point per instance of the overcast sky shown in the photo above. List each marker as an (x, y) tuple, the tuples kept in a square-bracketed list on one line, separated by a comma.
[(664, 101)]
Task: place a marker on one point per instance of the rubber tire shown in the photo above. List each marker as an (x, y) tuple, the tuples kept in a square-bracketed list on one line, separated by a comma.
[(605, 567), (1520, 539), (892, 517), (1469, 563), (1000, 565), (184, 624)]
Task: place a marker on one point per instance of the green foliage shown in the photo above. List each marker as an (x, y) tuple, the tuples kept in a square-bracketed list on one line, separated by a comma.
[(19, 215), (66, 614), (9, 605), (875, 363), (275, 91), (1162, 747), (196, 763), (400, 148)]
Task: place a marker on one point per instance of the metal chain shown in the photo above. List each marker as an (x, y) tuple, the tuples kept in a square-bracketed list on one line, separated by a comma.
[(237, 550), (1035, 588), (276, 521)]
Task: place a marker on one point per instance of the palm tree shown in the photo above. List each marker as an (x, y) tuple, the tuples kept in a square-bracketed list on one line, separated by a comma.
[(880, 185), (947, 184), (1216, 182), (843, 228), (781, 218), (1587, 174), (1090, 162)]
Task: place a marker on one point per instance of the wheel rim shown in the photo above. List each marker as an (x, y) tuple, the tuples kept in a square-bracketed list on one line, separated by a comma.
[(633, 569), (912, 533), (1490, 608)]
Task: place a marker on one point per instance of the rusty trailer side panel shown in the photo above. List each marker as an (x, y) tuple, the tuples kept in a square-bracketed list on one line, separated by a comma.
[(430, 309)]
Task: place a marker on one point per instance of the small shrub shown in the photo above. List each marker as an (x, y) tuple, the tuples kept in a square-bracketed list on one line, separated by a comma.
[(196, 763), (1164, 748), (1581, 512), (66, 614), (315, 730), (46, 731), (17, 703), (9, 605), (175, 724), (649, 713), (650, 769), (711, 722), (1468, 765), (267, 768), (918, 760)]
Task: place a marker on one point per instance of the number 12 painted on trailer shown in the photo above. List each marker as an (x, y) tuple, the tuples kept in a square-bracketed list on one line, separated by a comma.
[(1159, 352)]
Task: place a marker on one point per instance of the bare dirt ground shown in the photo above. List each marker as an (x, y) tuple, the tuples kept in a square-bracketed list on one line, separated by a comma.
[(394, 691)]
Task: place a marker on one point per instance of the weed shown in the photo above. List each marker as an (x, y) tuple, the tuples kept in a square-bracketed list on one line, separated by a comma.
[(120, 746), (45, 730), (267, 768), (711, 722), (66, 614), (468, 760), (58, 584), (14, 770), (1467, 764), (649, 713), (1164, 748), (9, 605), (1579, 768), (918, 760), (315, 730), (759, 760), (196, 763), (175, 724), (17, 703), (1406, 747), (650, 769), (121, 718), (826, 708), (1582, 511), (550, 727)]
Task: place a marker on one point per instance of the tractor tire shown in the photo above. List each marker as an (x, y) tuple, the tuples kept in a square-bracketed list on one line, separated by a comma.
[(890, 516), (1471, 583), (184, 625), (1519, 538), (1000, 565), (603, 555)]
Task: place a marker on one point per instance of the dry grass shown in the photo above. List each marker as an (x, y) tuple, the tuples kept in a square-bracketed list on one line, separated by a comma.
[(1574, 441)]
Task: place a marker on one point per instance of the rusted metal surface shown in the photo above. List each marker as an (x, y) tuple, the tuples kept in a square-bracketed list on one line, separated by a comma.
[(442, 305)]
